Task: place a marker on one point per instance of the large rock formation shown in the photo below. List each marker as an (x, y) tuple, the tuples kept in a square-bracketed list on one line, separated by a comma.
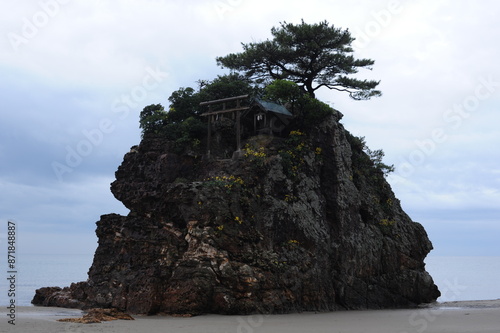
[(301, 223)]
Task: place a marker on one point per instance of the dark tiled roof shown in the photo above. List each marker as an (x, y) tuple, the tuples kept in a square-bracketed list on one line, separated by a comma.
[(273, 107)]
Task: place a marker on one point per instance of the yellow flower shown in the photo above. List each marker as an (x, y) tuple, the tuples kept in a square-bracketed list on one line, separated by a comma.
[(387, 222), (298, 133)]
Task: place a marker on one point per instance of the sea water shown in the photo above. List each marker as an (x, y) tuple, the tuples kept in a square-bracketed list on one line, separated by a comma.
[(40, 270), (458, 278), (465, 278)]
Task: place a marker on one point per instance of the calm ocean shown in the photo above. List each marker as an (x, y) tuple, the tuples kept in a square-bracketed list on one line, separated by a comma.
[(458, 278)]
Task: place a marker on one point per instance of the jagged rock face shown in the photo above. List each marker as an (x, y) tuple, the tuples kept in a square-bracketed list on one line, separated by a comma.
[(299, 224)]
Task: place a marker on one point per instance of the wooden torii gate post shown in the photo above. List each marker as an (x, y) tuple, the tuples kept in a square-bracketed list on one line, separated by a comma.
[(210, 114)]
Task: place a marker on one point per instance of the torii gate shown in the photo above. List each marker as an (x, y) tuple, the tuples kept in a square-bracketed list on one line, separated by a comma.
[(210, 114)]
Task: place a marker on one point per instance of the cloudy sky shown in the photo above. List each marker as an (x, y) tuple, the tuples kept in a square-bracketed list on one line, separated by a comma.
[(74, 76)]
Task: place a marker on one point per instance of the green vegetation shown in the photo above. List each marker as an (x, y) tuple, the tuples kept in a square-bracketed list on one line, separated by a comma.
[(387, 226), (311, 55), (182, 124), (364, 158), (387, 223), (308, 111), (255, 157), (292, 154), (152, 118), (226, 182), (283, 92), (287, 70)]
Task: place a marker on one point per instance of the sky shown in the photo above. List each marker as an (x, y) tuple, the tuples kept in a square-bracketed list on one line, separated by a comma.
[(74, 76)]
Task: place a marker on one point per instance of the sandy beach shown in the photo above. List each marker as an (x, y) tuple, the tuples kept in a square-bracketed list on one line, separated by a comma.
[(456, 317)]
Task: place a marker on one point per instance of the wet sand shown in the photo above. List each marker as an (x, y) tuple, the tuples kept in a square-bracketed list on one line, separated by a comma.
[(456, 317)]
